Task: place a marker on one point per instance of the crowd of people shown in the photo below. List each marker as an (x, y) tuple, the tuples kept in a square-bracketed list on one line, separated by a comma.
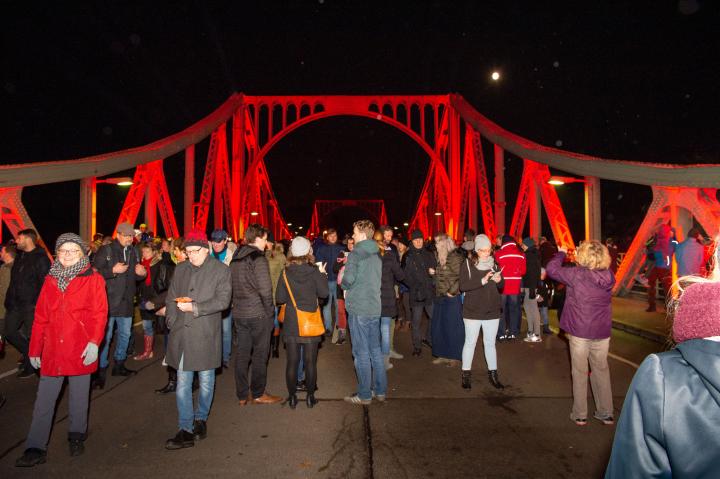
[(212, 299)]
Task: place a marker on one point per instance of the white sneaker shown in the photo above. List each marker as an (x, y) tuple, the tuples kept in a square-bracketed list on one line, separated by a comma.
[(533, 338), (395, 355)]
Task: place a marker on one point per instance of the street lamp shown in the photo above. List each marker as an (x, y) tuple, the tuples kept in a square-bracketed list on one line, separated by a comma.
[(254, 213), (88, 201), (591, 186), (121, 181)]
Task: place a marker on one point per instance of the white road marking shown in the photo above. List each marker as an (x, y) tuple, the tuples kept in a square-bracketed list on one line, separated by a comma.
[(623, 360), (8, 373)]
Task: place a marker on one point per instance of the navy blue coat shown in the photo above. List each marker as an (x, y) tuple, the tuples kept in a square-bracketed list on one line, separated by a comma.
[(670, 422)]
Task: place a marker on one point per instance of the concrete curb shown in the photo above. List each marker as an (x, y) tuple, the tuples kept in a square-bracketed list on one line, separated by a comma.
[(651, 335)]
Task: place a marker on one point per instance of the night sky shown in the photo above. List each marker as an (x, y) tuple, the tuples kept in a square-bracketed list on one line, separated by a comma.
[(635, 80)]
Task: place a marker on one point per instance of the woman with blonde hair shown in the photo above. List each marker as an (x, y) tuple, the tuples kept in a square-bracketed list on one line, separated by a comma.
[(447, 327), (587, 320)]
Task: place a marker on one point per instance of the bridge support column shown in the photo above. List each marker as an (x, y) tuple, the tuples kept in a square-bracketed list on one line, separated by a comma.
[(88, 208), (151, 209), (593, 225), (535, 212), (189, 196), (499, 191)]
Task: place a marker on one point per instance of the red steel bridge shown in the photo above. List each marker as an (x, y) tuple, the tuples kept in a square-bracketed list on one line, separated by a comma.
[(455, 196)]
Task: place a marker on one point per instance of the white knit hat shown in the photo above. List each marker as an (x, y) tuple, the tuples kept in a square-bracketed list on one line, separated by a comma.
[(482, 242), (300, 246)]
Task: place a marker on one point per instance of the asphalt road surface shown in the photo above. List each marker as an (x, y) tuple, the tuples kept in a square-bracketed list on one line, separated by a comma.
[(429, 426)]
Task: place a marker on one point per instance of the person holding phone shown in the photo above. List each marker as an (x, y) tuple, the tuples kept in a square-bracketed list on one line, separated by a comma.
[(481, 280)]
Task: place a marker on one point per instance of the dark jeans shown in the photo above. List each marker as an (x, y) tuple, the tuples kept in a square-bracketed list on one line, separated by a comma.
[(658, 274), (252, 346), (511, 315), (309, 351), (417, 311), (18, 326)]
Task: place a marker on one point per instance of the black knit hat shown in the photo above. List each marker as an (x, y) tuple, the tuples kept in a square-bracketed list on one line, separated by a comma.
[(416, 234)]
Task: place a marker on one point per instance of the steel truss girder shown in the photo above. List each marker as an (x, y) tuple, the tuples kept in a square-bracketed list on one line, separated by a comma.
[(322, 208), (536, 175), (149, 176), (700, 202)]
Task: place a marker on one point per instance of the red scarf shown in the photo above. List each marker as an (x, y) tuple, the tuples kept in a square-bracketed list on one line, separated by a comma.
[(146, 264)]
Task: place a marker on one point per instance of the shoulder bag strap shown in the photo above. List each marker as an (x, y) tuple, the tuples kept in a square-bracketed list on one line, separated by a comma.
[(292, 298)]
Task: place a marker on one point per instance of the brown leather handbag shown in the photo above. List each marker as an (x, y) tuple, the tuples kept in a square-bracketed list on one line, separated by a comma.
[(309, 323)]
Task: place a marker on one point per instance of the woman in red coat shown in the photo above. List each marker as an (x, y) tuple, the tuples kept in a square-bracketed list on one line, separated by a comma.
[(70, 320)]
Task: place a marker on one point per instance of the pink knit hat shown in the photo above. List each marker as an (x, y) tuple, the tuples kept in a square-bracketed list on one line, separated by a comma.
[(698, 314)]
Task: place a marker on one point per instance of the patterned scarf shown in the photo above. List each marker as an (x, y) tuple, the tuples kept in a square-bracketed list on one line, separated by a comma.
[(65, 275)]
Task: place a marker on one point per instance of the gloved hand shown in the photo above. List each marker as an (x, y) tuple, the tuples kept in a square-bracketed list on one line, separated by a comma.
[(35, 362), (90, 354)]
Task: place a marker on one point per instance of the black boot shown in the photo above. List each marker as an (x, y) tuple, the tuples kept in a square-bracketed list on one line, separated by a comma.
[(292, 401), (311, 401), (199, 430), (275, 344), (466, 380), (171, 384), (493, 376), (181, 440), (98, 378), (119, 369)]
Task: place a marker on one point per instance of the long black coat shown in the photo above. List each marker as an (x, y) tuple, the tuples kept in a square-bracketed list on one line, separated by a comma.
[(416, 264), (391, 274), (197, 335), (308, 285), (120, 287), (532, 270)]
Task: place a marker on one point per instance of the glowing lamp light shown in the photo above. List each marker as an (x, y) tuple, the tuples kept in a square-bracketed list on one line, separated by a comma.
[(300, 227), (437, 213), (561, 180), (289, 224), (122, 181), (406, 225), (395, 227), (254, 213), (495, 75)]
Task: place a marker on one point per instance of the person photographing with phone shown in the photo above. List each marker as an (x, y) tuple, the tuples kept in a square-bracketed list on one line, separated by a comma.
[(118, 262), (481, 280)]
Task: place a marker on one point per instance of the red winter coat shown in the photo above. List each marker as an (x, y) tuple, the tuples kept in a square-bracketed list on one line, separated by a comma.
[(66, 321), (512, 262)]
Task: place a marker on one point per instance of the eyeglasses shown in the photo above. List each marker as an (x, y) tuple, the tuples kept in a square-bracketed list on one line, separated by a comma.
[(193, 251), (68, 252)]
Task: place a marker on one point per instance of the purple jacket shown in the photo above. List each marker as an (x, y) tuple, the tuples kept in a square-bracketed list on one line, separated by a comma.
[(587, 312)]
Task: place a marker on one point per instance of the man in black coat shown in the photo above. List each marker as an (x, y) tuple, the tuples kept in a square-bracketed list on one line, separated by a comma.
[(26, 279), (253, 314), (419, 267), (118, 263)]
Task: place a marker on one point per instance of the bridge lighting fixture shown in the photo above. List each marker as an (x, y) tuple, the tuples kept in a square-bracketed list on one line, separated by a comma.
[(495, 75), (437, 213), (122, 181), (254, 213), (289, 224), (561, 180), (406, 225)]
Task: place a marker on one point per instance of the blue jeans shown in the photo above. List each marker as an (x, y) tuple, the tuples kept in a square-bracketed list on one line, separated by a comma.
[(511, 316), (544, 315), (124, 326), (184, 399), (367, 354), (226, 338), (385, 324), (327, 309)]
